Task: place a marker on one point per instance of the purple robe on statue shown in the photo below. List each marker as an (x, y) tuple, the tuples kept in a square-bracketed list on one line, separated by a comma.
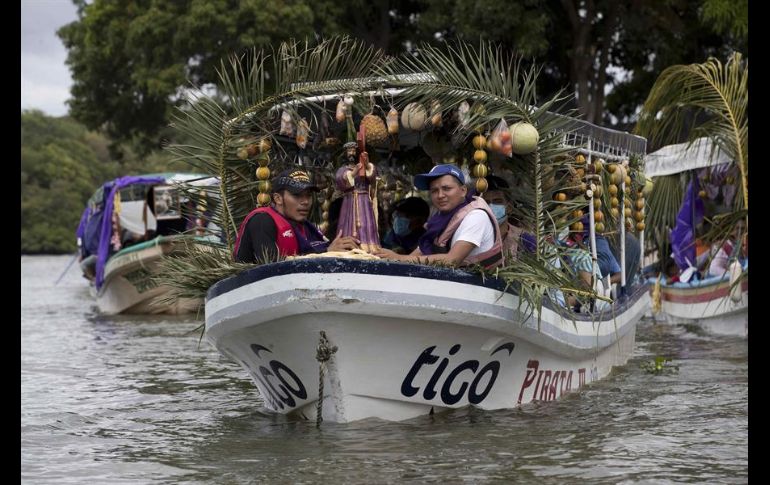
[(357, 215)]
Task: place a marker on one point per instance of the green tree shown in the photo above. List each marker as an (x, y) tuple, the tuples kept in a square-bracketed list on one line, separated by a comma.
[(132, 61), (62, 164)]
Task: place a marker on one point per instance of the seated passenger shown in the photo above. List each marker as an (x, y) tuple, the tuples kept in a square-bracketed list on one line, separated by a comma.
[(409, 216), (282, 228), (463, 231), (721, 261), (499, 200), (633, 254), (608, 265)]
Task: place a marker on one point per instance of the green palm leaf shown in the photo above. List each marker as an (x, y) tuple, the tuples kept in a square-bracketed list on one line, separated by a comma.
[(713, 94)]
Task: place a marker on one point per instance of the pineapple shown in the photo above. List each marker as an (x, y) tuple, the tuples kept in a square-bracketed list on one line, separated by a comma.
[(376, 132)]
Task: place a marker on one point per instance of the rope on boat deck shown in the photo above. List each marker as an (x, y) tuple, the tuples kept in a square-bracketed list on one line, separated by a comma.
[(323, 354)]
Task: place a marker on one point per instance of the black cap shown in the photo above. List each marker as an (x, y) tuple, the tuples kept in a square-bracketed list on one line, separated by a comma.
[(496, 183), (414, 206), (294, 180)]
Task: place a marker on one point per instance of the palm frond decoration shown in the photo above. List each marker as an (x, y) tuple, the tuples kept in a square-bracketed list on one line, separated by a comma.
[(663, 205), (702, 100), (305, 76)]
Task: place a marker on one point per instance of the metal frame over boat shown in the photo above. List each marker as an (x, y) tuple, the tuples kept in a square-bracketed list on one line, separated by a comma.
[(411, 339)]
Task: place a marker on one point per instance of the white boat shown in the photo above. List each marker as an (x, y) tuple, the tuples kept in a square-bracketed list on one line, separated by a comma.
[(129, 286), (130, 223), (715, 304), (411, 339)]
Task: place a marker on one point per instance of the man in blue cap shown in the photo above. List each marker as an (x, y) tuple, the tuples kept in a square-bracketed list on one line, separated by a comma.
[(463, 231)]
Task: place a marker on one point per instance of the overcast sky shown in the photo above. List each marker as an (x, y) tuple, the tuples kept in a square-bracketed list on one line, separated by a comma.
[(45, 79)]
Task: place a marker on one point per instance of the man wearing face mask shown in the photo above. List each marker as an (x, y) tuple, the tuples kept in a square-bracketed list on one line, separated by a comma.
[(408, 224), (499, 201)]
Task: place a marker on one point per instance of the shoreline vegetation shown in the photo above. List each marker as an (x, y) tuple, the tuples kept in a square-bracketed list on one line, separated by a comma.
[(62, 163)]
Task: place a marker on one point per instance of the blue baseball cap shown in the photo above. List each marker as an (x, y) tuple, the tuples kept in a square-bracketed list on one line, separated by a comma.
[(422, 181)]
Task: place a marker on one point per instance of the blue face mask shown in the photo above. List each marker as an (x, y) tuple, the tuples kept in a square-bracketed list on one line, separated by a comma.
[(401, 225), (499, 211)]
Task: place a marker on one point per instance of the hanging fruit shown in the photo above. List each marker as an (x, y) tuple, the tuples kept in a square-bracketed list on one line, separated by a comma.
[(435, 113), (614, 212), (481, 185), (479, 142), (287, 127), (376, 132), (613, 190), (501, 139), (599, 227), (392, 121), (263, 173), (640, 226), (340, 113), (598, 165), (303, 131), (560, 197), (580, 159), (414, 116), (480, 170), (524, 138), (462, 113)]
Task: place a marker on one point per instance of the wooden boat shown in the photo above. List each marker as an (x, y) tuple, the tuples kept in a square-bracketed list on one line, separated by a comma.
[(122, 238)]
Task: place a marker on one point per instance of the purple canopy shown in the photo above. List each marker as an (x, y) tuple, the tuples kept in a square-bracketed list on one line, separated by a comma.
[(683, 235), (106, 230)]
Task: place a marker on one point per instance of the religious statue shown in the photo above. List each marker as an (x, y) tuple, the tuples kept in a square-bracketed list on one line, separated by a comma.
[(358, 184)]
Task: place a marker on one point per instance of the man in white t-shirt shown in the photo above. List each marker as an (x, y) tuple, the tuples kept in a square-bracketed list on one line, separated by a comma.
[(463, 231)]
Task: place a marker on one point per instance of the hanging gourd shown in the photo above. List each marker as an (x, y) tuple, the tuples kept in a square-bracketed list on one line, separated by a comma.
[(414, 116)]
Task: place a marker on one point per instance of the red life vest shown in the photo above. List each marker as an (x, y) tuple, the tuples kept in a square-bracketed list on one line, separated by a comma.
[(285, 238)]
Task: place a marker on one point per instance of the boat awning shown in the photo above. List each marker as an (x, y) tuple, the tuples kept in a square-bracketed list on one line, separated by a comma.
[(679, 158)]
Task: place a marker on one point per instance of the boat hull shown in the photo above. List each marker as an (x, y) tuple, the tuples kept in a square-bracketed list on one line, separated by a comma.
[(128, 286), (709, 306), (410, 340)]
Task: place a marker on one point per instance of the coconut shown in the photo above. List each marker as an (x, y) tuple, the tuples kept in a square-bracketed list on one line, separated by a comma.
[(647, 187), (524, 138), (414, 116)]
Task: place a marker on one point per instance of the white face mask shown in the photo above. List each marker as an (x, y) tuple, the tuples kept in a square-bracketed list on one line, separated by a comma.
[(499, 211)]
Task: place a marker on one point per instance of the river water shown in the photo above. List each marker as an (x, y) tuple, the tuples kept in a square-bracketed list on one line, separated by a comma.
[(137, 399)]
